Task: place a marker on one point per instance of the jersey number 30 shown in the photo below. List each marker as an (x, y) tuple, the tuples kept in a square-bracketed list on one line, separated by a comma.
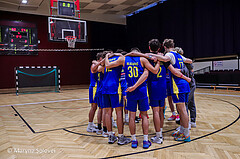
[(133, 71)]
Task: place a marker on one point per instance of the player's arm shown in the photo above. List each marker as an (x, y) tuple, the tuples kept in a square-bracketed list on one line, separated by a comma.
[(186, 60), (116, 63), (142, 55), (159, 57), (178, 73), (95, 64), (142, 78), (147, 65)]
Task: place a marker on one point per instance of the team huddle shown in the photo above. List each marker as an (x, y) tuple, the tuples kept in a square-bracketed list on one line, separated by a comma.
[(135, 80)]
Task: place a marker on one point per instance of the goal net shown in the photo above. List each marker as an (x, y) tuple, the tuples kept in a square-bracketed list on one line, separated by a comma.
[(37, 79)]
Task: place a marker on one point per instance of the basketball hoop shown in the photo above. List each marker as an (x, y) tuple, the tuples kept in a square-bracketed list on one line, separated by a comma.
[(71, 41)]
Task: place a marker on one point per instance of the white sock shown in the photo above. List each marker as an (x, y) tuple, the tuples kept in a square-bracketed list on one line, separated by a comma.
[(120, 135), (134, 137), (173, 113), (181, 129), (110, 133), (90, 123), (186, 132), (145, 137), (158, 134)]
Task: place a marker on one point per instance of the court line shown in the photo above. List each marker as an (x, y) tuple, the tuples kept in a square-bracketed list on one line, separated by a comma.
[(225, 95), (140, 152), (23, 120), (65, 108), (28, 125), (54, 101), (68, 100)]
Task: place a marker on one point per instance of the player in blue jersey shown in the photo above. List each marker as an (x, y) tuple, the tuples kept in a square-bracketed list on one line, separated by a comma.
[(136, 75), (122, 90), (180, 89), (111, 100), (93, 92), (157, 89), (157, 92)]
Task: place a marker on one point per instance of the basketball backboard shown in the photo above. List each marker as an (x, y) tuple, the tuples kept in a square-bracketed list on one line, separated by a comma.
[(60, 28)]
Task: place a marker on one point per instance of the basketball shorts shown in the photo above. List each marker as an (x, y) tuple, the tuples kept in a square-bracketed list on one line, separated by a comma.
[(157, 103), (142, 104), (99, 99), (121, 101), (110, 100), (92, 94), (180, 98)]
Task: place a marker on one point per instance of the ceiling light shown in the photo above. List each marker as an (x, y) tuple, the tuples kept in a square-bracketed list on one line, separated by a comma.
[(24, 1)]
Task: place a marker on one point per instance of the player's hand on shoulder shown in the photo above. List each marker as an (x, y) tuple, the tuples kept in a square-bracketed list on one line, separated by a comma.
[(160, 54)]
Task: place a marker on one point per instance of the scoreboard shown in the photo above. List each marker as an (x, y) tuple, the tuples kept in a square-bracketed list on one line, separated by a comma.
[(18, 37), (66, 8)]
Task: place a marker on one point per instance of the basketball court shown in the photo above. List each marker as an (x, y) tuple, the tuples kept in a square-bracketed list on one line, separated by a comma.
[(47, 49), (53, 125)]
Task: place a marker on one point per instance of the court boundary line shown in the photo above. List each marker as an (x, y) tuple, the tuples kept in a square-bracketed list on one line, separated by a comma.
[(54, 101)]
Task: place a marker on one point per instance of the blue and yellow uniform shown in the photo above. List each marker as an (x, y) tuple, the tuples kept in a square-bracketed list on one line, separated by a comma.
[(99, 89), (134, 70), (110, 85), (122, 87), (92, 87), (180, 87), (157, 85)]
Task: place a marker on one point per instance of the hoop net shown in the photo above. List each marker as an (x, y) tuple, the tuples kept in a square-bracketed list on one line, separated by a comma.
[(71, 41)]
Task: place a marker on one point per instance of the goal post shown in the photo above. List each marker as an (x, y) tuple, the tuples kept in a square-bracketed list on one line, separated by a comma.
[(37, 79)]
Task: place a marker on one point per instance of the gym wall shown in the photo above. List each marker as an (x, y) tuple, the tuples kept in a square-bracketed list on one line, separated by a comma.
[(74, 66)]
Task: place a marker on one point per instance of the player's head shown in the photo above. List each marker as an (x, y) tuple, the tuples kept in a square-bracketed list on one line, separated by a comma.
[(179, 50), (99, 56), (106, 52), (135, 49), (119, 51), (168, 43), (154, 45), (109, 50), (123, 52)]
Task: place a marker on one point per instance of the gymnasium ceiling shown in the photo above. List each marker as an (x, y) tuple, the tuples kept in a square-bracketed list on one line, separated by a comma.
[(112, 11)]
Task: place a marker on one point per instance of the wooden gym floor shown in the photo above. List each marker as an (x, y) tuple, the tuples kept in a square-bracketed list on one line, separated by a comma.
[(53, 125)]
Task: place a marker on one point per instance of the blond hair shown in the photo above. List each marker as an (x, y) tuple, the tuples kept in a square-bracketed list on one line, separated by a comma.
[(179, 50)]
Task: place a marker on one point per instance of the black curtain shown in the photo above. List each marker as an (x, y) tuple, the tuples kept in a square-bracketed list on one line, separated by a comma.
[(202, 28)]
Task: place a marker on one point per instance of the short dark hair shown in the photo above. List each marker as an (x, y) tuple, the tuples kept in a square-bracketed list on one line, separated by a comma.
[(154, 45), (109, 50), (169, 43), (99, 55), (119, 51), (123, 52), (135, 48)]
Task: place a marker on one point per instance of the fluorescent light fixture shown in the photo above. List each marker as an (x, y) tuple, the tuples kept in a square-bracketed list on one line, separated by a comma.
[(145, 8), (24, 1)]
